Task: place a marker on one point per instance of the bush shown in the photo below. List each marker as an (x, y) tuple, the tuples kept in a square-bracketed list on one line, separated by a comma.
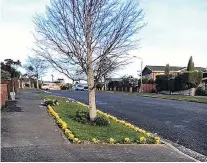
[(82, 116), (5, 75), (99, 85), (200, 92), (51, 102), (101, 121), (183, 81)]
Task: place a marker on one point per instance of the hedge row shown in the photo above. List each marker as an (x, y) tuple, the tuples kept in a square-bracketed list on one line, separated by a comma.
[(182, 81)]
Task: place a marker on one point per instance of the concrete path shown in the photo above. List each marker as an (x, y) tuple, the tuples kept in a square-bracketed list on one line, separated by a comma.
[(28, 133)]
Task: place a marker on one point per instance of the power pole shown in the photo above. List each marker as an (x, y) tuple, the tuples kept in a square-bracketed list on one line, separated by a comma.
[(52, 77)]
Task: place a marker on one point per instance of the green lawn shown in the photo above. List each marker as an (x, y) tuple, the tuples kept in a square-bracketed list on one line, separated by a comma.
[(184, 98), (170, 97), (86, 132)]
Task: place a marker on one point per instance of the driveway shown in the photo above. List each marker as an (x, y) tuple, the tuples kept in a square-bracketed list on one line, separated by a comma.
[(181, 122)]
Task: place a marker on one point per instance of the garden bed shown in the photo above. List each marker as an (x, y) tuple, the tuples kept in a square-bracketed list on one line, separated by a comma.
[(118, 132)]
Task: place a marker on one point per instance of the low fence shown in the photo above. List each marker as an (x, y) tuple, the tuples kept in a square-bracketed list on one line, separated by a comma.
[(4, 94), (146, 88)]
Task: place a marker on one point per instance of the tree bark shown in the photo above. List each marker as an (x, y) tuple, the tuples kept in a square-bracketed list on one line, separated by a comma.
[(90, 73), (37, 83)]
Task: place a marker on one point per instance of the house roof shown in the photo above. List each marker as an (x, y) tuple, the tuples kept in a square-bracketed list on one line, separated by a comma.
[(162, 68), (172, 68), (114, 79)]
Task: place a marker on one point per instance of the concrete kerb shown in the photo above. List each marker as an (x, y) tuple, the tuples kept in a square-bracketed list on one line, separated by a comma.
[(161, 139)]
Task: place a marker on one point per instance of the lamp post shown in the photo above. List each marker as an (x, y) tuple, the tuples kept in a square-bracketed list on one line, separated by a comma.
[(141, 70)]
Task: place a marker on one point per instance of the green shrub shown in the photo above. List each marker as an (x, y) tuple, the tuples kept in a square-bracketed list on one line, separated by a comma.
[(82, 116), (99, 85), (101, 121), (51, 102), (200, 92), (5, 75), (182, 81)]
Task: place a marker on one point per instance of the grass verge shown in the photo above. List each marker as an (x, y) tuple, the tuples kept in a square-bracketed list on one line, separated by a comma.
[(181, 98), (169, 97), (117, 132)]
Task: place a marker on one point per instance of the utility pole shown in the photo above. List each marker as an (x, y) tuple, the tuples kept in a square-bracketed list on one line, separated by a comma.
[(52, 77), (141, 71)]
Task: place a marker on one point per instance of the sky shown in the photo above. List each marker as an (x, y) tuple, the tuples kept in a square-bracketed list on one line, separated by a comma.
[(176, 30)]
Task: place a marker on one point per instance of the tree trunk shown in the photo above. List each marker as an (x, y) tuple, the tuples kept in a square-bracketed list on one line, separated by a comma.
[(92, 100), (37, 83), (91, 84)]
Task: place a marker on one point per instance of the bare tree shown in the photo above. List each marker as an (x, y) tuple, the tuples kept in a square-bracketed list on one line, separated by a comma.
[(79, 35), (35, 68)]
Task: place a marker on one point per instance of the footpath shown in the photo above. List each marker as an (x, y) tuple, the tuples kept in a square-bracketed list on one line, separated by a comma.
[(28, 133)]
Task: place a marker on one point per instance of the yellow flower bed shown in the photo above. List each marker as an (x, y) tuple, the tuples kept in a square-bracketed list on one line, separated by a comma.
[(72, 137), (63, 125), (129, 125)]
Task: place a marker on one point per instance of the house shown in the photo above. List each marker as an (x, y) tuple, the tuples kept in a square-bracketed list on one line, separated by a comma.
[(27, 82), (49, 85), (150, 72)]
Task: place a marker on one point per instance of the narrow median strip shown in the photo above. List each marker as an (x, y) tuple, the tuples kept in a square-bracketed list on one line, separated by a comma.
[(118, 132)]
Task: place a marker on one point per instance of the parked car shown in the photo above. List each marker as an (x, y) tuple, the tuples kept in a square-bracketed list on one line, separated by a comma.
[(80, 87)]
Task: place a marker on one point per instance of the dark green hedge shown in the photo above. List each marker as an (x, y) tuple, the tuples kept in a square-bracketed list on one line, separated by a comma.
[(183, 81)]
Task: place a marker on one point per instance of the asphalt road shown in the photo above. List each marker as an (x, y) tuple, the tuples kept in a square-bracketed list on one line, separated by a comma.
[(181, 122)]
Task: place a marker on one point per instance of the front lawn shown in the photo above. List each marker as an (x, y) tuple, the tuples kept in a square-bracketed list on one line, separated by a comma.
[(86, 132), (184, 98), (197, 99)]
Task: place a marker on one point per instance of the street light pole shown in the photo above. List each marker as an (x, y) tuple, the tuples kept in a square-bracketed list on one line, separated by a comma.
[(141, 71)]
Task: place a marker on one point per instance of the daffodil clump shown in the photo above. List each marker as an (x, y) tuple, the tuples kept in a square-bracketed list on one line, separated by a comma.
[(63, 125), (111, 141), (157, 140), (94, 140), (127, 140), (142, 140)]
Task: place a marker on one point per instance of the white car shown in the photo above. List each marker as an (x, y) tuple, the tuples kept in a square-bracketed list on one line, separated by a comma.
[(80, 87)]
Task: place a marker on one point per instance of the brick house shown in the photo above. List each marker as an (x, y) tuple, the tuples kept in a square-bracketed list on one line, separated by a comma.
[(150, 72)]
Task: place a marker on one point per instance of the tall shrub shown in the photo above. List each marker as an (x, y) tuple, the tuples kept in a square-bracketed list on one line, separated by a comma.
[(167, 69), (190, 66)]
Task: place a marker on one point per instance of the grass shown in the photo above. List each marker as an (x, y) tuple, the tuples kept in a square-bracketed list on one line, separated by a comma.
[(184, 98), (169, 97), (86, 132)]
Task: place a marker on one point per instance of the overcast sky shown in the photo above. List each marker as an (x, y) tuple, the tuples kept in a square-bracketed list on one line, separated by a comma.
[(176, 30)]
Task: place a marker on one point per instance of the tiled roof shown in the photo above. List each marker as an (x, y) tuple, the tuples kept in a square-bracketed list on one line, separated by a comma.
[(172, 68), (162, 68)]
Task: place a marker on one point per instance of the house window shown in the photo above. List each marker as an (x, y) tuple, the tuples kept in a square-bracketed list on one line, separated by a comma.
[(205, 85), (151, 76)]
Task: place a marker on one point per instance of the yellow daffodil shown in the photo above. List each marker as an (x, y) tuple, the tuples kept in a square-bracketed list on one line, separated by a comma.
[(142, 139), (148, 134), (127, 140), (71, 136), (75, 140), (157, 140), (94, 140), (111, 141)]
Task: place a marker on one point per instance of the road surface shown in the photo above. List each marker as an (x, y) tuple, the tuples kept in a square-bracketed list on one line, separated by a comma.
[(181, 122)]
